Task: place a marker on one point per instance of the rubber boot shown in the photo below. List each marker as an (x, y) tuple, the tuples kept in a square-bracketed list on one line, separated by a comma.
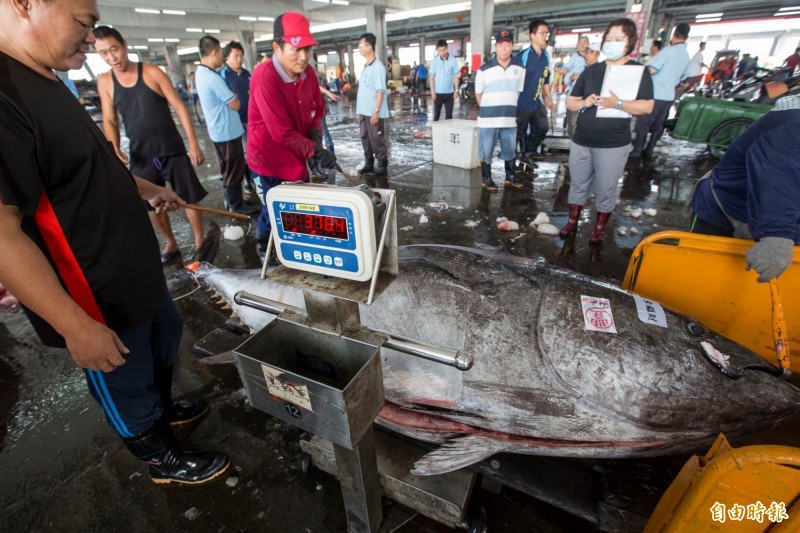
[(179, 412), (235, 201), (572, 222), (486, 177), (638, 147), (380, 169), (599, 233), (526, 156), (166, 463), (511, 177), (647, 153), (369, 166)]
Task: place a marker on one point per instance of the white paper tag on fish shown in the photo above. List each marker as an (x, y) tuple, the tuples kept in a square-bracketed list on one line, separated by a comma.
[(597, 314), (650, 312), (291, 392)]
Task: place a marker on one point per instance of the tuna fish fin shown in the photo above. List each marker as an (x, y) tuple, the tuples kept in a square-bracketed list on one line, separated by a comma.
[(457, 453)]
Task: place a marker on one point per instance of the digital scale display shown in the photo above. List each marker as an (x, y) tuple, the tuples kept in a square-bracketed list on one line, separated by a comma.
[(324, 229), (317, 225)]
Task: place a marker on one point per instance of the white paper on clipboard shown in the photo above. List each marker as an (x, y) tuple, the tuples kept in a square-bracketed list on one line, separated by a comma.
[(624, 80)]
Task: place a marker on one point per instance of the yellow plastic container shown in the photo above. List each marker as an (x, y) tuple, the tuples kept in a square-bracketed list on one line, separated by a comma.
[(729, 489), (704, 277)]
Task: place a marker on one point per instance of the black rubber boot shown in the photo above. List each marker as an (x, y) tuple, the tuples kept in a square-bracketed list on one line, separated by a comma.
[(181, 412), (234, 199), (525, 155), (638, 147), (647, 153), (599, 233), (511, 177), (369, 166), (380, 169), (486, 177), (572, 222), (166, 463)]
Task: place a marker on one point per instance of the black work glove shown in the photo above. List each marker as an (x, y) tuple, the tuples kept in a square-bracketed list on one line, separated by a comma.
[(324, 158), (316, 136)]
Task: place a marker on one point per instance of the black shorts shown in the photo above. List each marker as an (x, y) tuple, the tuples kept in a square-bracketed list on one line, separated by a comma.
[(176, 170)]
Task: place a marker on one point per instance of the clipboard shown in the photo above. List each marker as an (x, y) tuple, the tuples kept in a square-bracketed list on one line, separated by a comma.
[(624, 80)]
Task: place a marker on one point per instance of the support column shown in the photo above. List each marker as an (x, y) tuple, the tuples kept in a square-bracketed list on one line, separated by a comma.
[(248, 42), (144, 55), (174, 69), (376, 23), (351, 73), (422, 44), (481, 22), (642, 18)]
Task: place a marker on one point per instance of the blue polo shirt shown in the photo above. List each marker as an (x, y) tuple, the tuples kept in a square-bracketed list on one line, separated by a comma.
[(575, 65), (443, 71), (223, 123), (239, 83), (372, 82), (537, 75), (671, 65)]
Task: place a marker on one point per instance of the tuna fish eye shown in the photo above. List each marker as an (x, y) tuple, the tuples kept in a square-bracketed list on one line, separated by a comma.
[(697, 330)]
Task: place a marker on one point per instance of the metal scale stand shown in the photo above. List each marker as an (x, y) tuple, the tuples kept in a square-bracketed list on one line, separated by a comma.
[(320, 370)]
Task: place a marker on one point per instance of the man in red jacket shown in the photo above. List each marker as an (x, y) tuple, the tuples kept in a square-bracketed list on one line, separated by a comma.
[(284, 128)]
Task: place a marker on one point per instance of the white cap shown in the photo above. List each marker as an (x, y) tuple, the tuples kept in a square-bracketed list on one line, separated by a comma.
[(595, 46)]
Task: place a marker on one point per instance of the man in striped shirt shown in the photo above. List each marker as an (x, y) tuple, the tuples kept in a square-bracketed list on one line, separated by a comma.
[(497, 87)]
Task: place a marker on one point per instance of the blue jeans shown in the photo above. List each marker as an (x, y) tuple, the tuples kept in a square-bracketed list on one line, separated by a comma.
[(263, 185), (487, 138)]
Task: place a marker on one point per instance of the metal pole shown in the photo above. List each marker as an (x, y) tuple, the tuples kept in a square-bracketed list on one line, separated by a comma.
[(455, 358)]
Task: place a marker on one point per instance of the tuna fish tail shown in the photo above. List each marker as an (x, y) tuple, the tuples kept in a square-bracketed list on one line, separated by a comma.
[(457, 453)]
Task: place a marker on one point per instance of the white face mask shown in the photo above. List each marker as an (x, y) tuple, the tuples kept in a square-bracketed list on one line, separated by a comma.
[(614, 50)]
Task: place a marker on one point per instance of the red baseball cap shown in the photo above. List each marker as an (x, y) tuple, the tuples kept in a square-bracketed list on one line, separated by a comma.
[(292, 27)]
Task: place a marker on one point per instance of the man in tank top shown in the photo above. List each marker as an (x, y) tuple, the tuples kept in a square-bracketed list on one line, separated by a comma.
[(142, 94)]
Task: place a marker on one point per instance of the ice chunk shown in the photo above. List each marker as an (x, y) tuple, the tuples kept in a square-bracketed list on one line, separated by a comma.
[(508, 225), (547, 229), (541, 218), (233, 233), (634, 231), (501, 219), (636, 212), (650, 212), (471, 223), (416, 210), (423, 219), (622, 230), (406, 228)]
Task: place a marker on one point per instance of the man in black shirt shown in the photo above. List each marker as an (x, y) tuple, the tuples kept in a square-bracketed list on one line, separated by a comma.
[(78, 249), (142, 94)]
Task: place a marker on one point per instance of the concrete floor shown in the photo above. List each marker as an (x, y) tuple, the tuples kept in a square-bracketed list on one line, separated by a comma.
[(64, 470)]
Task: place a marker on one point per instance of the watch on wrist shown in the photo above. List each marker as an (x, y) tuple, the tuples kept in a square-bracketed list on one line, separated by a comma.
[(619, 104)]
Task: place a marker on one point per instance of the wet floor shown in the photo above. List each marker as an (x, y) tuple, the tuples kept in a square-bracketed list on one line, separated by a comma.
[(64, 470)]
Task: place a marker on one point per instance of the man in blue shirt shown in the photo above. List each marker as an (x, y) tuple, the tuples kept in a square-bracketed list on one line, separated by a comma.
[(668, 68), (372, 109), (238, 79), (754, 191), (220, 106), (535, 99), (571, 71), (444, 81)]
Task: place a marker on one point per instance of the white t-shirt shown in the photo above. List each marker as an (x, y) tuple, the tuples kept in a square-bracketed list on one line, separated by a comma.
[(696, 65)]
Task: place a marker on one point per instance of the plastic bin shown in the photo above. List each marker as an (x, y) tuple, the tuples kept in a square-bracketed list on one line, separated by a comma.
[(455, 143)]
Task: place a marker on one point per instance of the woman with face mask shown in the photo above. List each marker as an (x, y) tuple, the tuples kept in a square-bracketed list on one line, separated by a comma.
[(600, 146)]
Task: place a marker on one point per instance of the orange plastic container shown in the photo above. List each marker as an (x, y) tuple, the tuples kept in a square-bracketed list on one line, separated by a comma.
[(704, 277)]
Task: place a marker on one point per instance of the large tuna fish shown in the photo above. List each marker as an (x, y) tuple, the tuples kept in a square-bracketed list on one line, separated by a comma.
[(542, 383)]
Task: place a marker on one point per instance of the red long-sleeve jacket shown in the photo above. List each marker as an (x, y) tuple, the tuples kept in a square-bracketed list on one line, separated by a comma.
[(280, 120)]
